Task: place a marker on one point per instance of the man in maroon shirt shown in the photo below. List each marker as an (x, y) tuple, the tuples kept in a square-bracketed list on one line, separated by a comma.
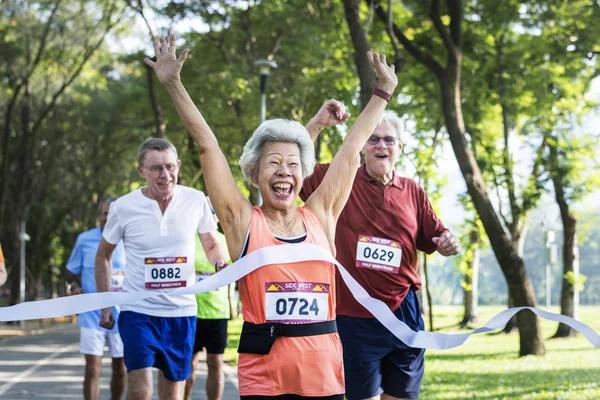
[(386, 220)]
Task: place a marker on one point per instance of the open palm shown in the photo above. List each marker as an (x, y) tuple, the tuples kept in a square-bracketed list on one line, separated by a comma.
[(386, 74), (167, 66)]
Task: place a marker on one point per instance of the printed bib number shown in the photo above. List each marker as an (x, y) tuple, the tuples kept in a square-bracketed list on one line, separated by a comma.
[(296, 302), (166, 272), (116, 281), (380, 254), (203, 275)]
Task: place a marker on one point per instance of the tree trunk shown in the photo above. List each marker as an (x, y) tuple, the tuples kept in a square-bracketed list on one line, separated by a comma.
[(518, 242), (366, 74), (424, 282), (569, 297), (512, 324), (471, 291), (157, 110), (513, 267), (428, 293), (318, 146)]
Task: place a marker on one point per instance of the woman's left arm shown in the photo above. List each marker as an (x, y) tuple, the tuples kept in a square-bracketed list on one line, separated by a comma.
[(330, 197)]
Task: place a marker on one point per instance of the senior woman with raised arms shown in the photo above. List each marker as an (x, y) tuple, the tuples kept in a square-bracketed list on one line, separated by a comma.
[(289, 348)]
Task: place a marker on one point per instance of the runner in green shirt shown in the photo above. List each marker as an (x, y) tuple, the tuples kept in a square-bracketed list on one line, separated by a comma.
[(214, 311)]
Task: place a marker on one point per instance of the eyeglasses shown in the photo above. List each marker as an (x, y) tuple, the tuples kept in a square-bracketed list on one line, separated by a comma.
[(157, 169), (388, 140)]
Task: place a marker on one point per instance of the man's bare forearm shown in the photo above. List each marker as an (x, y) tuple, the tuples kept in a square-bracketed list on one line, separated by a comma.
[(213, 248), (217, 254), (103, 266), (103, 271)]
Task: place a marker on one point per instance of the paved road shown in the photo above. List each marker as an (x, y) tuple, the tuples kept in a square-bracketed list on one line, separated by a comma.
[(49, 366)]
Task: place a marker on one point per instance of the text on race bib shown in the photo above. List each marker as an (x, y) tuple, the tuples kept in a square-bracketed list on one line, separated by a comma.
[(296, 302), (166, 272), (203, 275), (378, 254), (116, 281)]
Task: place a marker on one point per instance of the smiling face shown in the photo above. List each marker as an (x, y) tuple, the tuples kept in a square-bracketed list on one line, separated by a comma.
[(160, 169), (380, 158), (279, 175)]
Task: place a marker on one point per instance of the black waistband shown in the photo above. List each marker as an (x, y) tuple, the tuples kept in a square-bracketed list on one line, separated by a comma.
[(259, 338), (279, 329)]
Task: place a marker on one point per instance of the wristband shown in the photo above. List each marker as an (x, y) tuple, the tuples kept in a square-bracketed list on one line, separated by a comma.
[(383, 94)]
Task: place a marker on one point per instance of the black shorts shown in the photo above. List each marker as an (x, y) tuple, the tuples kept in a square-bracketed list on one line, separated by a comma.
[(212, 335), (292, 397)]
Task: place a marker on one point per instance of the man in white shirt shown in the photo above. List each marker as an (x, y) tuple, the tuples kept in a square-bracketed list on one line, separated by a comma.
[(157, 224)]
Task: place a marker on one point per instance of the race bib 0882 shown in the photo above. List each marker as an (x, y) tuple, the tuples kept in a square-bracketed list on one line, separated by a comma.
[(296, 302), (167, 272), (379, 254)]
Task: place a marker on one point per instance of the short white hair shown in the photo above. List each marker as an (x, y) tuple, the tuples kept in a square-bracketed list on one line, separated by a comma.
[(391, 118), (274, 131)]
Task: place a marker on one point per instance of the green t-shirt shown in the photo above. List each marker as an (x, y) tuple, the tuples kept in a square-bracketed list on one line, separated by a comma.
[(215, 304)]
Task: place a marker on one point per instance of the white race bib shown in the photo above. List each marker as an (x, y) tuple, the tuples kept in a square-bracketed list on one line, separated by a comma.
[(296, 302), (116, 281), (203, 275), (379, 254), (167, 272)]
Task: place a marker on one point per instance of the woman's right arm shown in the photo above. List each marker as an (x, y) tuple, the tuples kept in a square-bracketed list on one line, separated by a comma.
[(232, 208)]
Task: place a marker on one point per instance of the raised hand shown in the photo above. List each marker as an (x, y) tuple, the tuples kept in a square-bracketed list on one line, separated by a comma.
[(331, 113), (386, 74), (167, 66)]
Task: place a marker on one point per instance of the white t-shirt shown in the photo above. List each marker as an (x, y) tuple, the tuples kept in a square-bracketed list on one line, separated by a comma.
[(159, 249)]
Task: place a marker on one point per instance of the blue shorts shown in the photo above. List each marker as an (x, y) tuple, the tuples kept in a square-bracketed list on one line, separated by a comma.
[(165, 343), (376, 361)]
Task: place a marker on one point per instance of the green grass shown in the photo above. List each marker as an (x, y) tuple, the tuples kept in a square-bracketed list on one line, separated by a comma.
[(234, 328), (487, 366)]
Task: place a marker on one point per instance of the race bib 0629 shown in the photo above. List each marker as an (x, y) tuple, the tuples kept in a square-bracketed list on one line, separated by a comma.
[(379, 254), (167, 272), (296, 302)]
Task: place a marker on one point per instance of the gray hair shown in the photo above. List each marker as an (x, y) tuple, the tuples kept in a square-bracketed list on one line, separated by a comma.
[(277, 130), (106, 200), (391, 118), (154, 144)]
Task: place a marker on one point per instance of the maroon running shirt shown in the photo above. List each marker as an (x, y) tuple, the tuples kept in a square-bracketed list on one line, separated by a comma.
[(377, 237)]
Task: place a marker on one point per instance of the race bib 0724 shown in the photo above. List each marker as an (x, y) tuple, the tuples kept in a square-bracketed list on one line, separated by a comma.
[(296, 302), (379, 254), (167, 272)]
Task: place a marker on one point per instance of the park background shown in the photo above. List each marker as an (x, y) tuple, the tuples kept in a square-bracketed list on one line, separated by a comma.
[(500, 104)]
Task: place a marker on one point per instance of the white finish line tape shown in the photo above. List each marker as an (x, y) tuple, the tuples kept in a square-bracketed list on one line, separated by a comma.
[(282, 254)]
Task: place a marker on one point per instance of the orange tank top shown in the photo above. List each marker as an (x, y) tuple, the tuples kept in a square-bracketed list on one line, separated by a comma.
[(300, 292)]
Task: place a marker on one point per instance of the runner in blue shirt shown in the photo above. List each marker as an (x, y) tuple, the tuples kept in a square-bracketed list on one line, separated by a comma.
[(92, 336)]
